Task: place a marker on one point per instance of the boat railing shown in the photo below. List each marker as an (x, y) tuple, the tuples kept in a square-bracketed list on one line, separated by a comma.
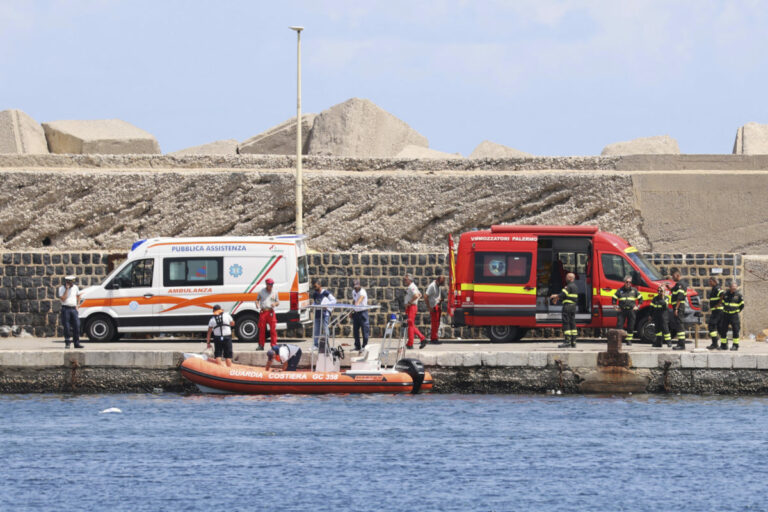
[(324, 341), (390, 344)]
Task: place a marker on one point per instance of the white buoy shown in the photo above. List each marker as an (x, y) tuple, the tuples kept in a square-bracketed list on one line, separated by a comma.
[(111, 409)]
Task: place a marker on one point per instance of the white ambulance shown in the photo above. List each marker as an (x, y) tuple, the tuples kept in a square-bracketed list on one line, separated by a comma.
[(171, 284)]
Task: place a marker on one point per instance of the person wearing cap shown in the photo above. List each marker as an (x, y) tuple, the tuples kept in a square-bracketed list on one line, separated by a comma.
[(285, 353), (412, 296), (220, 325), (360, 319), (434, 295), (267, 302), (69, 295), (321, 296)]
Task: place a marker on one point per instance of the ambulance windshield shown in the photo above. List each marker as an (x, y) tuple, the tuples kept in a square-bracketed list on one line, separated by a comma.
[(645, 266)]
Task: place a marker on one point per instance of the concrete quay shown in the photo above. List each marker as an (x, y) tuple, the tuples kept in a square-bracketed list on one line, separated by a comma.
[(43, 365)]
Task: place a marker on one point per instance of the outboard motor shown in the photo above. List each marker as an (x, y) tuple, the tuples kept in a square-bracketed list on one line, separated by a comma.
[(415, 369)]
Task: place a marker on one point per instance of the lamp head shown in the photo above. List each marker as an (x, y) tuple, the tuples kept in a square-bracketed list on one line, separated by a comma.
[(297, 29)]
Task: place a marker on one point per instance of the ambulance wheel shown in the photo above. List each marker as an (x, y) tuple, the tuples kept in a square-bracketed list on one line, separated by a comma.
[(504, 333), (646, 330), (247, 327), (100, 328)]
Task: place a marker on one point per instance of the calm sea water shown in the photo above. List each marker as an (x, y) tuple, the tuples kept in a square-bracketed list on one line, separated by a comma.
[(455, 452)]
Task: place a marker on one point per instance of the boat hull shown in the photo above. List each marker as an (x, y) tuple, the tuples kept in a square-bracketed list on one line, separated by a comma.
[(241, 379)]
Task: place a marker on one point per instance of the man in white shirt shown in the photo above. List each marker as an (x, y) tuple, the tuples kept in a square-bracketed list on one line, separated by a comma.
[(360, 319), (69, 295), (434, 303), (268, 300), (412, 296), (220, 325)]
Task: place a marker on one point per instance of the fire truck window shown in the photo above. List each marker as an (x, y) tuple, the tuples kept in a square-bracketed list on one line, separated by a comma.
[(503, 267), (615, 267)]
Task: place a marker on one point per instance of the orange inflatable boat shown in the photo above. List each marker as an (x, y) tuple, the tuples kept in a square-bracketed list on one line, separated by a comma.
[(407, 376)]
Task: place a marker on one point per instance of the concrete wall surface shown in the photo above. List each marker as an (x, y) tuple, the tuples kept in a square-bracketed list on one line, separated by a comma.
[(722, 211)]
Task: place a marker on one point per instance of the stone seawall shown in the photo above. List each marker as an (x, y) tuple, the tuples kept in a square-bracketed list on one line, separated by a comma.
[(29, 281), (56, 371)]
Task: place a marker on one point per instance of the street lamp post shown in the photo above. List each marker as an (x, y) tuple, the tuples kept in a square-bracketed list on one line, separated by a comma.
[(299, 196)]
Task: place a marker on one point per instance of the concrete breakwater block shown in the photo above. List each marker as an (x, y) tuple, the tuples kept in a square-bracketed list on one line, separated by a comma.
[(488, 149), (219, 147), (104, 136), (412, 151), (280, 139), (657, 145), (359, 128), (751, 139), (21, 134)]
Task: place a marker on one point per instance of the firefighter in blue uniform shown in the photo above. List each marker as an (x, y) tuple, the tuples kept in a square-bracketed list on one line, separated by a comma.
[(715, 297), (629, 300), (733, 303), (568, 296)]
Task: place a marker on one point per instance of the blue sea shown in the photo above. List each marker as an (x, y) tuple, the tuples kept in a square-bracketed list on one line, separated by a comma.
[(393, 453)]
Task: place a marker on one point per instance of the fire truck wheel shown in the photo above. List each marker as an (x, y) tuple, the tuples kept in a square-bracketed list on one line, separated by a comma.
[(646, 330), (504, 333)]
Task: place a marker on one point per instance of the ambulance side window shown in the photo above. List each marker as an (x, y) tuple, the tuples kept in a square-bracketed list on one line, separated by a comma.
[(137, 274), (302, 269), (192, 271), (503, 267)]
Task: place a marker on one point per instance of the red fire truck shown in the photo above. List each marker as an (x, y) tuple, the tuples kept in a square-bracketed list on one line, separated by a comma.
[(501, 278)]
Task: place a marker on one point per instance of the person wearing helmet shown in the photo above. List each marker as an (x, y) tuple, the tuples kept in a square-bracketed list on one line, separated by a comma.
[(285, 353), (220, 325), (267, 302)]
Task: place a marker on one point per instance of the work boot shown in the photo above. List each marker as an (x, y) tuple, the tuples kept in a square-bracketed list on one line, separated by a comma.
[(680, 346), (566, 343), (735, 347), (724, 346), (409, 346), (573, 342), (669, 343), (78, 345), (435, 342), (423, 344), (260, 347), (713, 346), (66, 344)]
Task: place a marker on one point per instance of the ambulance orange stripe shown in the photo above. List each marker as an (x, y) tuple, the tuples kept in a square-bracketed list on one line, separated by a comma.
[(181, 302)]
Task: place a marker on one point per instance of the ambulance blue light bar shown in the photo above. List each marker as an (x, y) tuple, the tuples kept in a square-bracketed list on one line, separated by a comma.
[(137, 243)]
